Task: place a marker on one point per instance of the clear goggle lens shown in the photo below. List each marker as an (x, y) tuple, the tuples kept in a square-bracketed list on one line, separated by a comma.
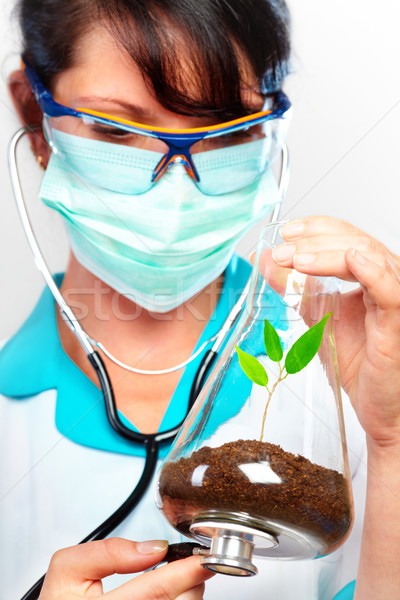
[(125, 161)]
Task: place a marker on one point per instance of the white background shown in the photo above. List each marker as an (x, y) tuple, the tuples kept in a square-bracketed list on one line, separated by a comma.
[(344, 137)]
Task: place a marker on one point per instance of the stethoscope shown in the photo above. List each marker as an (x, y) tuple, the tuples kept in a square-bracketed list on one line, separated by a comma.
[(150, 441)]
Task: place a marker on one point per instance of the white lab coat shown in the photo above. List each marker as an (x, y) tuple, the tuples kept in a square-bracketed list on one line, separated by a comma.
[(53, 492)]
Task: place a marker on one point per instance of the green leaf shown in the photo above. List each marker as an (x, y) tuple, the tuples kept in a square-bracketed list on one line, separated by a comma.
[(252, 368), (272, 342), (306, 347)]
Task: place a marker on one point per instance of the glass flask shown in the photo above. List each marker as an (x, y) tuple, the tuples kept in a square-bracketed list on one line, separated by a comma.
[(261, 469)]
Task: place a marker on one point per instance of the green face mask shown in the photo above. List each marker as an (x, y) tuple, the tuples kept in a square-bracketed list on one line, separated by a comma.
[(161, 247)]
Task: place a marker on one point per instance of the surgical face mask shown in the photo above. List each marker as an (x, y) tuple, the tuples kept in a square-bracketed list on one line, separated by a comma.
[(161, 247)]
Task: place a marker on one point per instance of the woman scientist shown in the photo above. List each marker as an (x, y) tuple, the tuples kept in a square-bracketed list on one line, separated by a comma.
[(158, 124)]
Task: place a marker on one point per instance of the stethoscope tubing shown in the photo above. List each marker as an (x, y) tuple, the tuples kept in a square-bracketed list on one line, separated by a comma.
[(150, 441), (93, 356), (112, 412), (112, 522)]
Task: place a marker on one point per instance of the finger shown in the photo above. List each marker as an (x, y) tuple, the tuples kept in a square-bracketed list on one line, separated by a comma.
[(166, 583), (95, 560), (380, 281), (317, 225), (195, 593), (320, 243), (275, 275), (327, 263)]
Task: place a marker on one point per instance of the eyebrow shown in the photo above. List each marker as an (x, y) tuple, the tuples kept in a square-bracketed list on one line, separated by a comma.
[(140, 114), (135, 109)]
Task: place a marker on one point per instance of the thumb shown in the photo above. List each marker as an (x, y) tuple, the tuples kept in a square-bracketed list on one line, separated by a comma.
[(95, 560)]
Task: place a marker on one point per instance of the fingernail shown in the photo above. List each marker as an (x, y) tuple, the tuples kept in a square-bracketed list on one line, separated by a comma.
[(358, 257), (151, 546), (284, 253), (293, 229), (304, 259)]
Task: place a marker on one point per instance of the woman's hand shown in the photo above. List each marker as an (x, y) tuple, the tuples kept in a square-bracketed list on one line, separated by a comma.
[(367, 324), (76, 572)]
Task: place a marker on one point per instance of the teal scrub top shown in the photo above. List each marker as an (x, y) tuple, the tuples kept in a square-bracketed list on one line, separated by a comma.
[(347, 593), (33, 361)]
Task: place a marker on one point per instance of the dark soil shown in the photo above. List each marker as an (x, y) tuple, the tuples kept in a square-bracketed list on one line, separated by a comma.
[(310, 497)]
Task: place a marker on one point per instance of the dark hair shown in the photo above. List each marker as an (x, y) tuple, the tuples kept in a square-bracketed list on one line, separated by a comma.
[(213, 35)]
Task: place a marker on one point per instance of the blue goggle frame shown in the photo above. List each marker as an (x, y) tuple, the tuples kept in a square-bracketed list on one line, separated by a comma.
[(179, 141)]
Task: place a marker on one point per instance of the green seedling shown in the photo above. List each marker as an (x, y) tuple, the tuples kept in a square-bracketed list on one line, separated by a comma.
[(299, 355)]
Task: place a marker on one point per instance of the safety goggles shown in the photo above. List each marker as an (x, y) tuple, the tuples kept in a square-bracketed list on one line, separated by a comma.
[(218, 158)]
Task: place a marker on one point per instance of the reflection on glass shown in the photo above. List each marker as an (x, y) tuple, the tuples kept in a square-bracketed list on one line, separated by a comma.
[(287, 491)]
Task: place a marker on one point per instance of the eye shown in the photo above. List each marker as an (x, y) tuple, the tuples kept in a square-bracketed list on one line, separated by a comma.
[(254, 132), (241, 134), (111, 132), (234, 138)]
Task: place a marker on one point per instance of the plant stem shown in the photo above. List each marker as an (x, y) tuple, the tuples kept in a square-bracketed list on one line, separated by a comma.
[(280, 378)]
